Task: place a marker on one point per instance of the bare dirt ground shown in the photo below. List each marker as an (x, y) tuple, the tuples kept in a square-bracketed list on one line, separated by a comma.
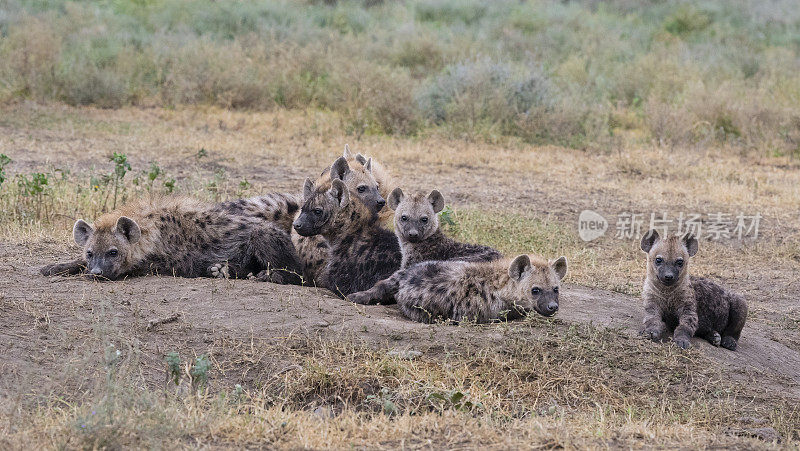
[(44, 319), (50, 326)]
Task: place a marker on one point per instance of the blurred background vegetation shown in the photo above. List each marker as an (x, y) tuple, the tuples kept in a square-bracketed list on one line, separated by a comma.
[(574, 73)]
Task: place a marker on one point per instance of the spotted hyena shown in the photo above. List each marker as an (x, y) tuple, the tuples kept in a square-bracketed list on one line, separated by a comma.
[(178, 236), (361, 251), (416, 225), (684, 305), (471, 291), (313, 249)]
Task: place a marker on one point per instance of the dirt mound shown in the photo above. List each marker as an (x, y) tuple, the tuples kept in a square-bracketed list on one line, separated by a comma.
[(48, 324)]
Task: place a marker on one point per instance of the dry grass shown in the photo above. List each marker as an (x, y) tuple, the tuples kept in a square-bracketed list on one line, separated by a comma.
[(572, 387), (547, 385)]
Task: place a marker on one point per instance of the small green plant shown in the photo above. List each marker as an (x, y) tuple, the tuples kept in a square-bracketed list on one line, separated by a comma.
[(34, 189), (456, 399), (447, 217), (169, 185), (202, 153), (383, 399), (216, 185), (4, 161), (199, 373), (153, 174), (244, 186), (173, 360), (121, 167)]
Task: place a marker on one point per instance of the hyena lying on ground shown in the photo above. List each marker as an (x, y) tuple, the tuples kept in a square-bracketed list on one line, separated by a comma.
[(361, 251), (416, 225), (687, 305), (313, 249), (471, 291), (181, 237)]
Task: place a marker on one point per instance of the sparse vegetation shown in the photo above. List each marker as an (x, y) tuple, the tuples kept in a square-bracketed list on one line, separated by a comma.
[(570, 73), (548, 383)]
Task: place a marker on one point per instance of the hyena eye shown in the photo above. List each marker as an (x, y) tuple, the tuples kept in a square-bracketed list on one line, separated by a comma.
[(679, 262), (318, 211), (89, 254), (536, 291), (555, 289), (112, 253), (659, 260), (361, 189), (423, 219), (404, 218)]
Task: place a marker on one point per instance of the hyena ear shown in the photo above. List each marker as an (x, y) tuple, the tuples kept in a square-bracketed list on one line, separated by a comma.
[(347, 154), (81, 232), (518, 267), (691, 244), (339, 169), (361, 159), (560, 267), (437, 200), (339, 192), (368, 165), (395, 197), (129, 228), (308, 189), (649, 239)]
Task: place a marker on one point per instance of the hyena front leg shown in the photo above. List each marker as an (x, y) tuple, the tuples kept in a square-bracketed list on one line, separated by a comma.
[(654, 326), (64, 269), (275, 256), (381, 293), (687, 326)]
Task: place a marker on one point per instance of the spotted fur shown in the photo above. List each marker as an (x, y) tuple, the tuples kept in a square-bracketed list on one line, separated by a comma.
[(416, 224), (361, 251), (357, 173), (177, 236), (682, 305), (471, 291)]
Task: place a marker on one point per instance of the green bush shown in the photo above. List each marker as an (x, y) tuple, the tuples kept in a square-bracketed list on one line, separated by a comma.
[(557, 71)]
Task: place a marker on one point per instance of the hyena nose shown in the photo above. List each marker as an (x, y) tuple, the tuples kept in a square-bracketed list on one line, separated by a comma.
[(381, 202), (669, 277), (552, 307), (413, 234), (96, 271), (296, 226)]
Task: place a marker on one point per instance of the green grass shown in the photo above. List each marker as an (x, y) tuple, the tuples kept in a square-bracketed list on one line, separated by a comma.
[(577, 73)]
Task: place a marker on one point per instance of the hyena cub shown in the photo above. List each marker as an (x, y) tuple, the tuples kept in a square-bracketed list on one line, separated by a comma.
[(685, 305), (183, 237), (471, 291), (361, 251), (416, 225), (313, 249)]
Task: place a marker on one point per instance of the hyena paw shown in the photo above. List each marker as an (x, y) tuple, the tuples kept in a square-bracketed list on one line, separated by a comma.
[(682, 342), (49, 270), (362, 297), (651, 334), (270, 275), (219, 271), (729, 343), (714, 338), (56, 269)]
